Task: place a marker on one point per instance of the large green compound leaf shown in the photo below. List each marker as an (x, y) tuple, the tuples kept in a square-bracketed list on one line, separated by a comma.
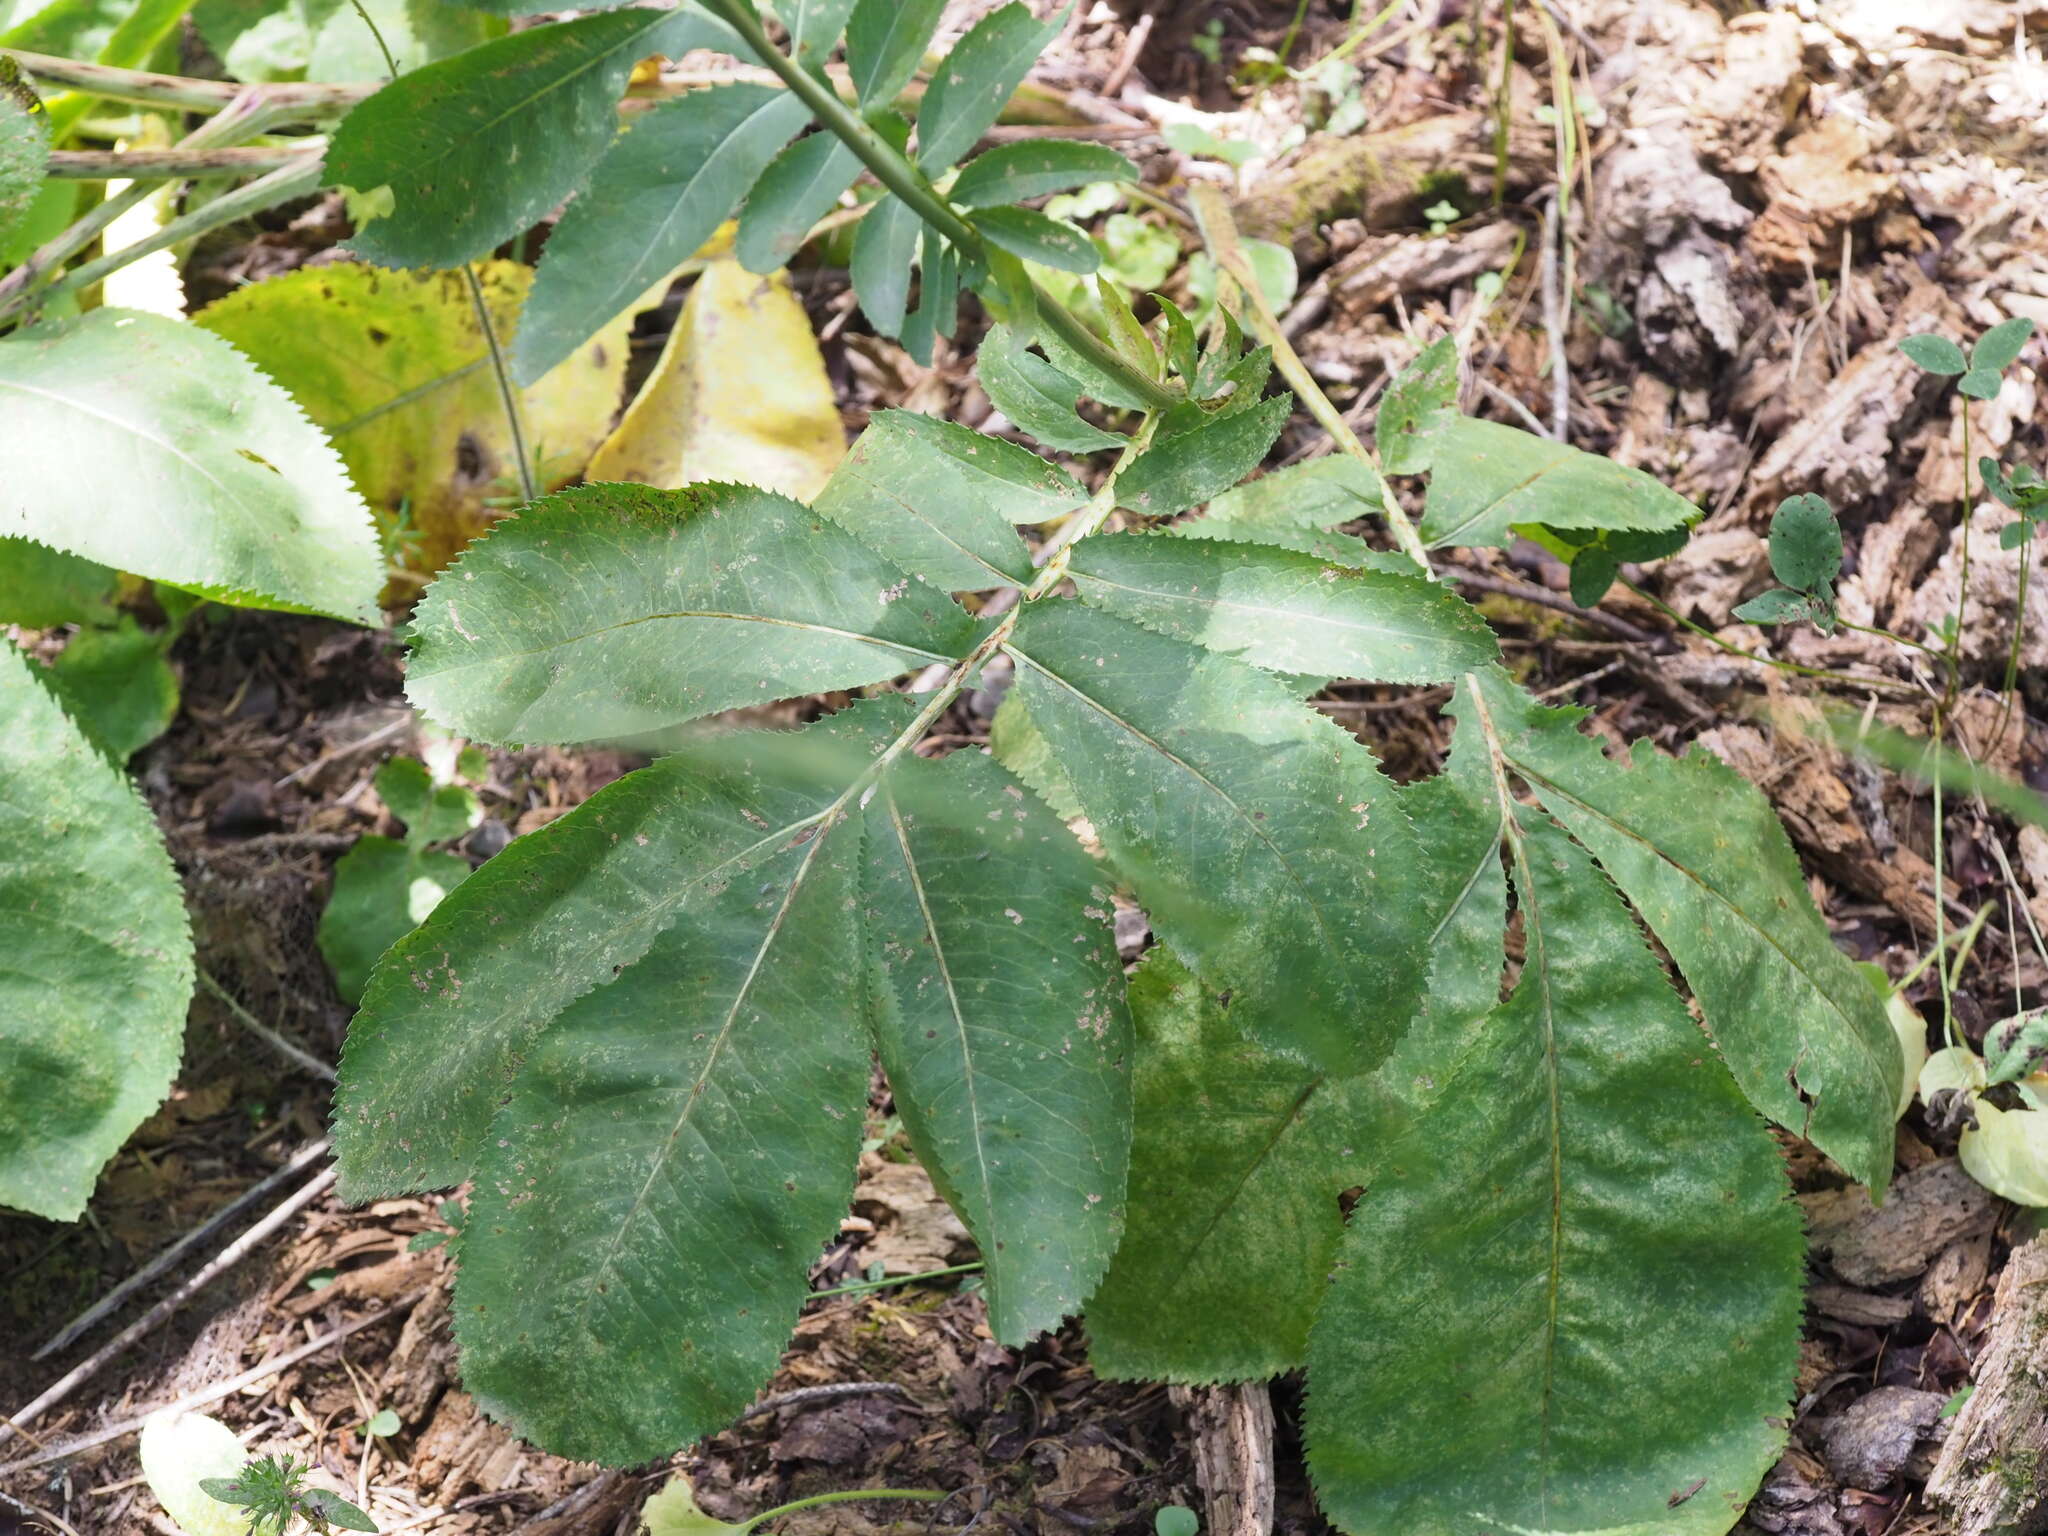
[(1241, 1221), (154, 447), (644, 1031), (943, 502), (543, 102), (675, 1152), (610, 611), (1699, 853), (1284, 611), (999, 1014), (1485, 478), (1570, 1298), (98, 961), (1262, 840), (652, 202), (456, 1006)]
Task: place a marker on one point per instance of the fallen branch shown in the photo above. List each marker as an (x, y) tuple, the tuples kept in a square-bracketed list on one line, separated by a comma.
[(212, 1394)]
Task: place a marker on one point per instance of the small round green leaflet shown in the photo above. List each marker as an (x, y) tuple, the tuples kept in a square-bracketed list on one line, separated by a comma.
[(1999, 348), (1175, 1520), (1806, 543), (1934, 354)]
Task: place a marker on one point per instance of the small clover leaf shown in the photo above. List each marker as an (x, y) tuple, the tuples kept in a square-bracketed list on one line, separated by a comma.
[(1934, 354)]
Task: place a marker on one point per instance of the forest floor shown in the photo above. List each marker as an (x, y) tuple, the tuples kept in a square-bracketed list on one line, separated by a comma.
[(1772, 199)]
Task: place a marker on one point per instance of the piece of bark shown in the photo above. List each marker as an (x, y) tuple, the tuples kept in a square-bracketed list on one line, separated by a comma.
[(1926, 1210), (1993, 1473), (1233, 1430), (1864, 1308), (1843, 448), (1955, 1277), (1867, 1445)]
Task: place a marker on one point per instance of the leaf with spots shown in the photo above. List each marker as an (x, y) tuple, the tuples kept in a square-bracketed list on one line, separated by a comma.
[(1568, 1298), (98, 966), (478, 147), (1206, 460), (1284, 611), (644, 1033), (1187, 762), (999, 1014), (1699, 853), (612, 611), (944, 502)]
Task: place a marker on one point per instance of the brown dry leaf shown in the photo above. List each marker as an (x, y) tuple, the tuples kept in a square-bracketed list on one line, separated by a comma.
[(915, 1230), (739, 394), (1817, 186)]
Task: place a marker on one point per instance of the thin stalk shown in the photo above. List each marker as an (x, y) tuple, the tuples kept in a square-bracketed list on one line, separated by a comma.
[(1219, 233), (1503, 102), (278, 187), (1885, 634), (896, 171), (1060, 551), (849, 1496), (242, 119), (856, 1287), (1955, 643), (1941, 971), (377, 36), (1732, 649), (527, 489), (176, 164), (296, 102)]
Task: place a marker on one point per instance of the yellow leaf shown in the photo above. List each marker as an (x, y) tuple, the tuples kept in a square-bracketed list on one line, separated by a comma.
[(740, 394), (674, 1512), (2007, 1152), (394, 366), (178, 1449)]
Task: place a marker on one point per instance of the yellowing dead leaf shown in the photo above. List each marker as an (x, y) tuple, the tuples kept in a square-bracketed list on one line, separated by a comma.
[(394, 367), (739, 394)]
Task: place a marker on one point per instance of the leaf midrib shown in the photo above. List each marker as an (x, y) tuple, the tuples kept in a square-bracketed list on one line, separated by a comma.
[(598, 1275), (499, 657), (1743, 916), (992, 1244), (1293, 875), (1321, 620)]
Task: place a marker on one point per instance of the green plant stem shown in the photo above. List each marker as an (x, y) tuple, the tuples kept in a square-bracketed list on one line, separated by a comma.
[(293, 102), (1955, 642), (895, 170), (1885, 634), (1731, 648), (849, 1496), (1941, 970), (857, 1287), (1219, 233), (176, 164), (528, 490), (1089, 518), (377, 36), (278, 187)]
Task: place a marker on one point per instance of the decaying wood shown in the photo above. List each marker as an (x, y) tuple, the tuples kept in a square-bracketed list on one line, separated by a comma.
[(1378, 177), (1233, 1431), (1993, 1473)]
